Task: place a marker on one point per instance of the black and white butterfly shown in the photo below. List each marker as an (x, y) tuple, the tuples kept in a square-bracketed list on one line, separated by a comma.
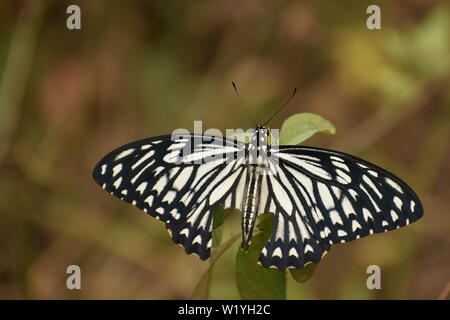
[(319, 197)]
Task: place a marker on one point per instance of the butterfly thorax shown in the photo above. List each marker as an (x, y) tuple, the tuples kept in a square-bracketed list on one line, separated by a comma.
[(257, 150)]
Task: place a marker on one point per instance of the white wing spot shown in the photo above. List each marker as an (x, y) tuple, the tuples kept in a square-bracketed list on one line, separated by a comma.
[(341, 165), (182, 178), (280, 228), (308, 248), (124, 153), (144, 158), (343, 177), (173, 212), (173, 172), (412, 205), (335, 217), (198, 239), (142, 187), (140, 171), (336, 158), (293, 252), (353, 193), (326, 196), (149, 200), (170, 196), (366, 214), (373, 173), (355, 225), (117, 168), (375, 205), (394, 216), (394, 185), (347, 207), (337, 191), (104, 169), (160, 184), (292, 235), (185, 232), (398, 202), (176, 146), (372, 186), (158, 170), (277, 253), (305, 157), (117, 183), (172, 157), (341, 233)]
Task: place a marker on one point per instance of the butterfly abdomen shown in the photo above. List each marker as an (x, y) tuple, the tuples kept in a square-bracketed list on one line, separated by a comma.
[(250, 203)]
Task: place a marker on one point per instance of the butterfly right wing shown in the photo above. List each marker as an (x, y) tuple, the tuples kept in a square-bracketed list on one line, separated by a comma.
[(178, 180), (322, 197)]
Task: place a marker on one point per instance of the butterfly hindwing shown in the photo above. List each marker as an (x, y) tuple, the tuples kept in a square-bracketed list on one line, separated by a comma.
[(293, 242)]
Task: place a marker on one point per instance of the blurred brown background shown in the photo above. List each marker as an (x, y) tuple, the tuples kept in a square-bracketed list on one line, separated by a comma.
[(143, 68)]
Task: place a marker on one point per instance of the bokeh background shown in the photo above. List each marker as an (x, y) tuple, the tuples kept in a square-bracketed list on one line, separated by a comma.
[(143, 68)]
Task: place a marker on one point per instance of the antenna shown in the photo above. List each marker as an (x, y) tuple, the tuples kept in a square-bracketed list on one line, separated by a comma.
[(242, 105), (282, 107)]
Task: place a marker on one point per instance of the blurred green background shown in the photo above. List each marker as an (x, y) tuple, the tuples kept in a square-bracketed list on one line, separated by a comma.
[(143, 68)]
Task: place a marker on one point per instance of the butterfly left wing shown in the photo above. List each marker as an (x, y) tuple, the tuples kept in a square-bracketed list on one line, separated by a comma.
[(177, 179), (322, 197)]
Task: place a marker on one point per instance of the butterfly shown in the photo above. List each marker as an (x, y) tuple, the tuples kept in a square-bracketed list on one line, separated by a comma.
[(319, 197)]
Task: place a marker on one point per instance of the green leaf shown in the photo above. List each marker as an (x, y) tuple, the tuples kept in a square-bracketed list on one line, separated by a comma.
[(265, 223), (216, 236), (219, 216), (302, 126), (201, 291), (254, 281), (304, 274)]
